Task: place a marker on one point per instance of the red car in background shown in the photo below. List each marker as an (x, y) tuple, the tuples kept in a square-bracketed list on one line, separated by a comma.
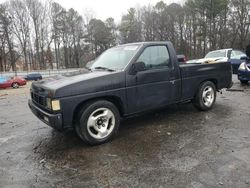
[(13, 82)]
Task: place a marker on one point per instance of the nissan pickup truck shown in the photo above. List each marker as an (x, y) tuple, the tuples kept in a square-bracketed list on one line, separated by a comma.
[(125, 80)]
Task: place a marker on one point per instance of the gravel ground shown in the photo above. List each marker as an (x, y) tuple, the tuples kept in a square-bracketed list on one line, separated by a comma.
[(174, 147)]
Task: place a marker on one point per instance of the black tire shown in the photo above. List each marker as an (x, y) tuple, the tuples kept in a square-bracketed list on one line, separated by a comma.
[(88, 109), (15, 85), (244, 81), (199, 101)]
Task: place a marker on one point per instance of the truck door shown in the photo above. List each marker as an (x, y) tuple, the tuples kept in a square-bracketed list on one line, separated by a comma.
[(156, 85)]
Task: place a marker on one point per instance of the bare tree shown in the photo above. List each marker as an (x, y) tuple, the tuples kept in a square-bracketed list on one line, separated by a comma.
[(35, 9), (7, 28), (130, 27), (45, 33), (241, 12), (21, 25), (56, 13)]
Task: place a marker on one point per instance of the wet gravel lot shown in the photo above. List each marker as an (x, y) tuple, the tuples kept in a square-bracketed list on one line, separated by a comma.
[(173, 147)]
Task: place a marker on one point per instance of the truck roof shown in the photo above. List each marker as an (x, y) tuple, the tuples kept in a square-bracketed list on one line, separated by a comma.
[(146, 43)]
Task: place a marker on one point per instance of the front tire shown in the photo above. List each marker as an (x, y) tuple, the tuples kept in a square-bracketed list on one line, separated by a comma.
[(98, 122), (15, 85), (205, 96)]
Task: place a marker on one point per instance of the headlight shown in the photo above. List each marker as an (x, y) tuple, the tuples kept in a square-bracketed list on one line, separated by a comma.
[(48, 102), (243, 67), (55, 104)]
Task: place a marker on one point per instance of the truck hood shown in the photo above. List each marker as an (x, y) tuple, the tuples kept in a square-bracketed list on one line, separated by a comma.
[(81, 82)]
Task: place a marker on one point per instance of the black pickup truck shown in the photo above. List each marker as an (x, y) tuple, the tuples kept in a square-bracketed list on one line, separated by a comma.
[(125, 80)]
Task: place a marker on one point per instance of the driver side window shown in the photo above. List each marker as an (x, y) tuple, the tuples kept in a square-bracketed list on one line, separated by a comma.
[(155, 57)]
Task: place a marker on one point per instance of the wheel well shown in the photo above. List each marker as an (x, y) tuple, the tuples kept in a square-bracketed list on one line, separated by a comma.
[(113, 99), (14, 83), (212, 80)]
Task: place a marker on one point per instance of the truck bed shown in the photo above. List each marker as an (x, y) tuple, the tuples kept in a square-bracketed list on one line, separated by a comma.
[(192, 75)]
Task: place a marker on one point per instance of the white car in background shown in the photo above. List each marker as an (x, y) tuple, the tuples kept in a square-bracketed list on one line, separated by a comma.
[(217, 55), (236, 57)]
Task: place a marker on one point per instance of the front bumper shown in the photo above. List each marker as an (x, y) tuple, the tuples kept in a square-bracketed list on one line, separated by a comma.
[(53, 120), (244, 75)]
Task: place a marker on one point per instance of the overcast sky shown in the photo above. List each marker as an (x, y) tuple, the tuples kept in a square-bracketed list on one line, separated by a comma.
[(107, 8)]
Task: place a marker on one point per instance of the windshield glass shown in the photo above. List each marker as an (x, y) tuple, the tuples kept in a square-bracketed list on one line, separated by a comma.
[(218, 53), (116, 58)]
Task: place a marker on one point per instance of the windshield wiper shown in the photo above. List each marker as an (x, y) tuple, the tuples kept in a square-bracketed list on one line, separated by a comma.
[(104, 68)]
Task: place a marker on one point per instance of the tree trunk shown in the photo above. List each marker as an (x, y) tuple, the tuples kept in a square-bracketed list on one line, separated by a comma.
[(1, 62), (10, 46), (56, 54)]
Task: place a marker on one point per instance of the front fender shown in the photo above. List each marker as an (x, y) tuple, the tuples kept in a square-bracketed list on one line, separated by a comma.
[(70, 105)]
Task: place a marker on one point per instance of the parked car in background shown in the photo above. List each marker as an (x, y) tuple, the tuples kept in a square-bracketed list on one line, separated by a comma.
[(192, 61), (13, 82), (2, 79), (182, 58), (33, 76), (244, 72), (244, 69), (236, 57)]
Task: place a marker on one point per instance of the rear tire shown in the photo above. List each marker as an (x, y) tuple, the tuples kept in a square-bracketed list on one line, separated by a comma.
[(244, 81), (98, 122), (15, 85), (205, 97)]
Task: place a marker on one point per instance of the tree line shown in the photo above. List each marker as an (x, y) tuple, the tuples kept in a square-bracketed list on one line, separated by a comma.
[(44, 35)]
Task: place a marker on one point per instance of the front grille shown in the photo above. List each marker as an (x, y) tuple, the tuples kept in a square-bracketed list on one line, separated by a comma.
[(38, 99)]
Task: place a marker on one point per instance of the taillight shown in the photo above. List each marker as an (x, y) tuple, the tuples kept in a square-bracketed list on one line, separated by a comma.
[(185, 60)]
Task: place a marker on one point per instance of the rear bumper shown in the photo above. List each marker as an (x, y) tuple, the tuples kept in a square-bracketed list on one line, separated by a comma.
[(53, 120), (244, 75)]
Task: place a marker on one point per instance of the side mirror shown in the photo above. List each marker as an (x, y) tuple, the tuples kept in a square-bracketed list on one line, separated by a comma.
[(137, 67), (243, 58), (89, 64)]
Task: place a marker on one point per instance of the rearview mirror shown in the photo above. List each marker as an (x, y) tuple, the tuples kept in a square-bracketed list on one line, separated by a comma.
[(137, 67)]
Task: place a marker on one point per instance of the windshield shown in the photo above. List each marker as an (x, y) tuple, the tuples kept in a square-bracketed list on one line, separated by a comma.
[(218, 53), (115, 58)]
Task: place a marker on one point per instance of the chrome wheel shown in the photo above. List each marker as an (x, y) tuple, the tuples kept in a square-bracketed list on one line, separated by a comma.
[(208, 96), (101, 123), (15, 85)]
